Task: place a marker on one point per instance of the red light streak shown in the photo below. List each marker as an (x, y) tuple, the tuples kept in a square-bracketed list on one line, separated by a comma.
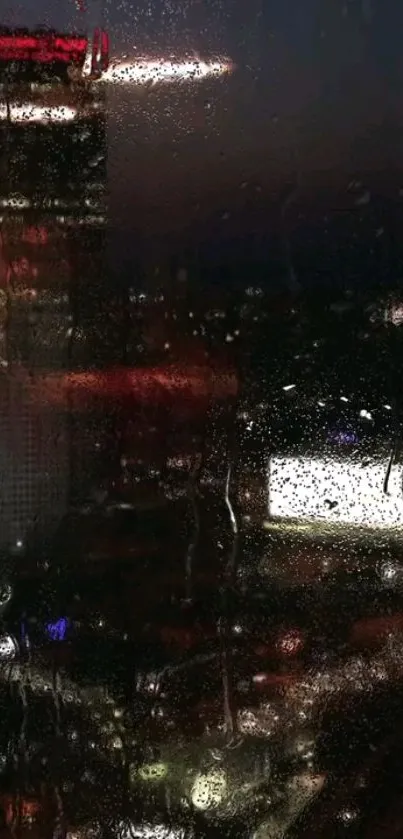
[(35, 235), (275, 680), (23, 808), (125, 387)]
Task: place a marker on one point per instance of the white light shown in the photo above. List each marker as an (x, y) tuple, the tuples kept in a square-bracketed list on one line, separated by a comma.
[(304, 745), (6, 592), (394, 314), (16, 202), (148, 683), (259, 678), (32, 113), (146, 71), (148, 831), (390, 572), (335, 490), (364, 414), (8, 648), (209, 789), (347, 816), (286, 388)]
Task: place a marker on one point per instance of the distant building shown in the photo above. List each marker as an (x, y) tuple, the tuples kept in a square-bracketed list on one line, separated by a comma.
[(53, 182)]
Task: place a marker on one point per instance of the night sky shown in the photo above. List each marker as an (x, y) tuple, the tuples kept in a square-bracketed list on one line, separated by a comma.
[(317, 90)]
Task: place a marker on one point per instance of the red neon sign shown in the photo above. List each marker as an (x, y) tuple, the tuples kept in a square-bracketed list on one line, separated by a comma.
[(42, 48), (48, 48)]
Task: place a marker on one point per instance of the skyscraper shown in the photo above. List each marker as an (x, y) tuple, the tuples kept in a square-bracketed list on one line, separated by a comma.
[(52, 257)]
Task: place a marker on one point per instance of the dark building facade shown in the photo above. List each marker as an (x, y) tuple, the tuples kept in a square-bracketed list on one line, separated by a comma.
[(53, 204)]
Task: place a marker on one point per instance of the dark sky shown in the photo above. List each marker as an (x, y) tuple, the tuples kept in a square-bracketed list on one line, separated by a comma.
[(317, 89)]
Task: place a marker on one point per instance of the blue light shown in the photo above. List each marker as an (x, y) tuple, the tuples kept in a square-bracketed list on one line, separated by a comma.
[(342, 438), (57, 630)]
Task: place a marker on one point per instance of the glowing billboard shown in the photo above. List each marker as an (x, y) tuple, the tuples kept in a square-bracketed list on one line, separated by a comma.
[(335, 490)]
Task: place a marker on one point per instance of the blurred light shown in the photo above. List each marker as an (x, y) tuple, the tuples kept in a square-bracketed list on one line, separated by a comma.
[(149, 831), (348, 816), (286, 388), (189, 382), (33, 113), (394, 314), (6, 593), (147, 683), (144, 71), (209, 789), (153, 771), (8, 648), (390, 572), (290, 642), (88, 56), (305, 786), (304, 747), (57, 630), (45, 48), (342, 438), (336, 490), (28, 809), (16, 202), (260, 678)]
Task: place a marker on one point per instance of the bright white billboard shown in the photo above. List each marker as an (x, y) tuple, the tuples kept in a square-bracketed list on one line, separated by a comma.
[(335, 490)]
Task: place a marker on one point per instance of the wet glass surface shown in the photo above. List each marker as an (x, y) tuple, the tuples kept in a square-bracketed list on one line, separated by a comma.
[(201, 476)]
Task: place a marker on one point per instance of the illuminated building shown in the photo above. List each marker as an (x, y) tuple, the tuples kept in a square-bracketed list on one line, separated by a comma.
[(52, 254)]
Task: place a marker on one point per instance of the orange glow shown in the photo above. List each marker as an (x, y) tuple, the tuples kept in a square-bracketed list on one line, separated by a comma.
[(35, 235), (372, 632), (17, 808)]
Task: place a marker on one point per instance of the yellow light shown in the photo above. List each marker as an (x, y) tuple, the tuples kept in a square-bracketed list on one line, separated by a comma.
[(153, 771), (209, 789)]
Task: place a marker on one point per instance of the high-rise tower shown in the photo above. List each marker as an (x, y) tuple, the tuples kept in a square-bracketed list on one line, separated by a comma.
[(52, 255)]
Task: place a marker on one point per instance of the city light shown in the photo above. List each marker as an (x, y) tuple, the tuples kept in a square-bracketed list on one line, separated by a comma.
[(209, 789), (336, 490), (152, 383), (146, 71), (44, 47), (153, 772), (8, 648), (28, 113)]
